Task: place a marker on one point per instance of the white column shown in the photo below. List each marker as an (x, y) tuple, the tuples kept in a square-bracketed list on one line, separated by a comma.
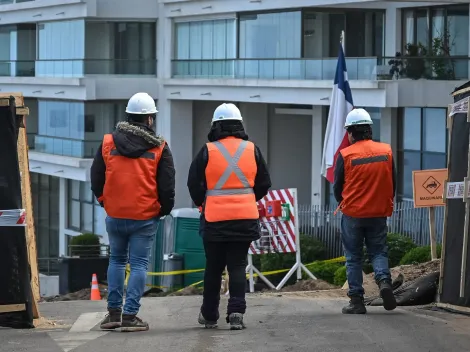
[(13, 51), (388, 128), (175, 124), (255, 121), (63, 214), (318, 132), (392, 31)]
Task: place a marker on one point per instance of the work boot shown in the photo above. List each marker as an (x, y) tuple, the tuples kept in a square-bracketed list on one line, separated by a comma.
[(386, 292), (112, 320), (207, 323), (131, 323), (236, 321), (355, 306)]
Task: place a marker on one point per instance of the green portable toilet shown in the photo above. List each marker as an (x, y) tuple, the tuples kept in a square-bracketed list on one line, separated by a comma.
[(156, 255), (188, 243)]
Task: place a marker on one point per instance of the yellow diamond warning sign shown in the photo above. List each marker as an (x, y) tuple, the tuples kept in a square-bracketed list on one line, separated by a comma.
[(428, 187), (431, 185)]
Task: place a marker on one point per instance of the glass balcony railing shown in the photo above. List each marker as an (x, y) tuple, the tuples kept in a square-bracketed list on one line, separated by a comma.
[(5, 2), (77, 68), (365, 68), (66, 147)]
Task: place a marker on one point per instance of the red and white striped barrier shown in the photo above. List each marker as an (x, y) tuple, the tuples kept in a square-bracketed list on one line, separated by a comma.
[(16, 217), (283, 239), (280, 234)]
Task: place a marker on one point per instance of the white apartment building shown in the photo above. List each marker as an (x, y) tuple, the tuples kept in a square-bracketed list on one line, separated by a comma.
[(78, 61)]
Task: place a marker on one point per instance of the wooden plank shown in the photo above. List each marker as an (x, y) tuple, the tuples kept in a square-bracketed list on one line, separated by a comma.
[(23, 162), (8, 308), (19, 102), (461, 309)]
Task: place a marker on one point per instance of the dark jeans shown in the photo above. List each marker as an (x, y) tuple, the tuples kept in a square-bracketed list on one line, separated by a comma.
[(218, 255), (353, 233)]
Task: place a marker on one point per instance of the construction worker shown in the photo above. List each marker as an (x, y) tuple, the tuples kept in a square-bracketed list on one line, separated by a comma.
[(226, 178), (133, 178), (365, 187)]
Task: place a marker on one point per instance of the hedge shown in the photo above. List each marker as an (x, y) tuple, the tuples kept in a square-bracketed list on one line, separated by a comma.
[(419, 255)]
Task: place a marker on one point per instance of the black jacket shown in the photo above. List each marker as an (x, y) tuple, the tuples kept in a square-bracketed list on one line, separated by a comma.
[(132, 140), (339, 178), (231, 230)]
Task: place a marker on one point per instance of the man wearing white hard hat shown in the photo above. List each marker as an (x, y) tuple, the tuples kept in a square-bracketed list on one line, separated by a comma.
[(365, 188), (226, 179), (133, 178)]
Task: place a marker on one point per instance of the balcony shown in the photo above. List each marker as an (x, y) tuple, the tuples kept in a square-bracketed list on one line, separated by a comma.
[(6, 2), (66, 147), (77, 68), (364, 68)]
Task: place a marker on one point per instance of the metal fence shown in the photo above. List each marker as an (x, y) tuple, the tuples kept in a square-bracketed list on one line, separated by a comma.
[(321, 223)]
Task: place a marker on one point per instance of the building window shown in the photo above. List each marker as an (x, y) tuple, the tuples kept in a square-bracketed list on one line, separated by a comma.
[(45, 197), (439, 32), (75, 128), (84, 212), (121, 48), (61, 48), (422, 144), (270, 35), (205, 40)]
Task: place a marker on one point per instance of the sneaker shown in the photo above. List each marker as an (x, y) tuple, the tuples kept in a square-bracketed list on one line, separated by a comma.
[(386, 292), (132, 323), (236, 321), (207, 323), (355, 306), (112, 320)]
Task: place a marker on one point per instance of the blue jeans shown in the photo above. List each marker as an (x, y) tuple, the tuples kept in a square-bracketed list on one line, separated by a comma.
[(354, 231), (129, 241)]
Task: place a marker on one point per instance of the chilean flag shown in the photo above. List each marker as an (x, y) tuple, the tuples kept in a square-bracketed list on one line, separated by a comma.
[(341, 104)]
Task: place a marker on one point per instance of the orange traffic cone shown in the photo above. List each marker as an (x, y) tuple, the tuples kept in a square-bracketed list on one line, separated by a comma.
[(95, 290)]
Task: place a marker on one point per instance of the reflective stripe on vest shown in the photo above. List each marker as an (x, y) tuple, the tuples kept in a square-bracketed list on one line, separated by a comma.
[(231, 167)]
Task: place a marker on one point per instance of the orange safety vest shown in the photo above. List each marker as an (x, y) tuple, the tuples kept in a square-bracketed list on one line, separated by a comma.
[(130, 189), (368, 180), (230, 177)]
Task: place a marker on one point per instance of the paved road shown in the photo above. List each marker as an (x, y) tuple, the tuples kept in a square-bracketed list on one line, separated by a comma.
[(274, 324)]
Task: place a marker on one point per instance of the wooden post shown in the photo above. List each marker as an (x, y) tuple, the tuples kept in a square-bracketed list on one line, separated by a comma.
[(432, 232), (23, 161)]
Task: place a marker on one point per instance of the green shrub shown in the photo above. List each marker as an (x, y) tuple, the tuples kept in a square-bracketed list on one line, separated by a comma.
[(325, 271), (87, 245), (311, 250), (398, 246), (340, 276), (419, 255)]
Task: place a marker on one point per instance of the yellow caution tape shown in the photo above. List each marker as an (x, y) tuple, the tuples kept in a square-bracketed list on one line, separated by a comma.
[(266, 273)]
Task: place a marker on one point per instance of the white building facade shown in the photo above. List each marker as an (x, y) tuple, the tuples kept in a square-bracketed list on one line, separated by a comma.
[(77, 62)]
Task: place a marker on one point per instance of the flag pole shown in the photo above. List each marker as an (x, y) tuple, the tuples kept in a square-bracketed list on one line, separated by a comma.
[(342, 41)]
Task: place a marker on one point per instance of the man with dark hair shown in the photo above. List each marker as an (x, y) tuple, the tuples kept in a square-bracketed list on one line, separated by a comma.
[(226, 179), (365, 188), (133, 178)]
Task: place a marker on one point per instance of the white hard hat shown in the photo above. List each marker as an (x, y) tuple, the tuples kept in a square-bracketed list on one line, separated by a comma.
[(142, 104), (227, 112), (358, 117)]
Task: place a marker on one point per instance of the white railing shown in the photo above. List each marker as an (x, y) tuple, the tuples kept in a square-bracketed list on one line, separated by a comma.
[(321, 223)]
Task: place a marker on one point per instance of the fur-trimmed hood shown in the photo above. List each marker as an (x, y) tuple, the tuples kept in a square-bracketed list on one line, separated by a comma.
[(132, 140)]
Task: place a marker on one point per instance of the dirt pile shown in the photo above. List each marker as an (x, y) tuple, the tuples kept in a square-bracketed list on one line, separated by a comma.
[(309, 285), (82, 295), (410, 272), (188, 291)]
